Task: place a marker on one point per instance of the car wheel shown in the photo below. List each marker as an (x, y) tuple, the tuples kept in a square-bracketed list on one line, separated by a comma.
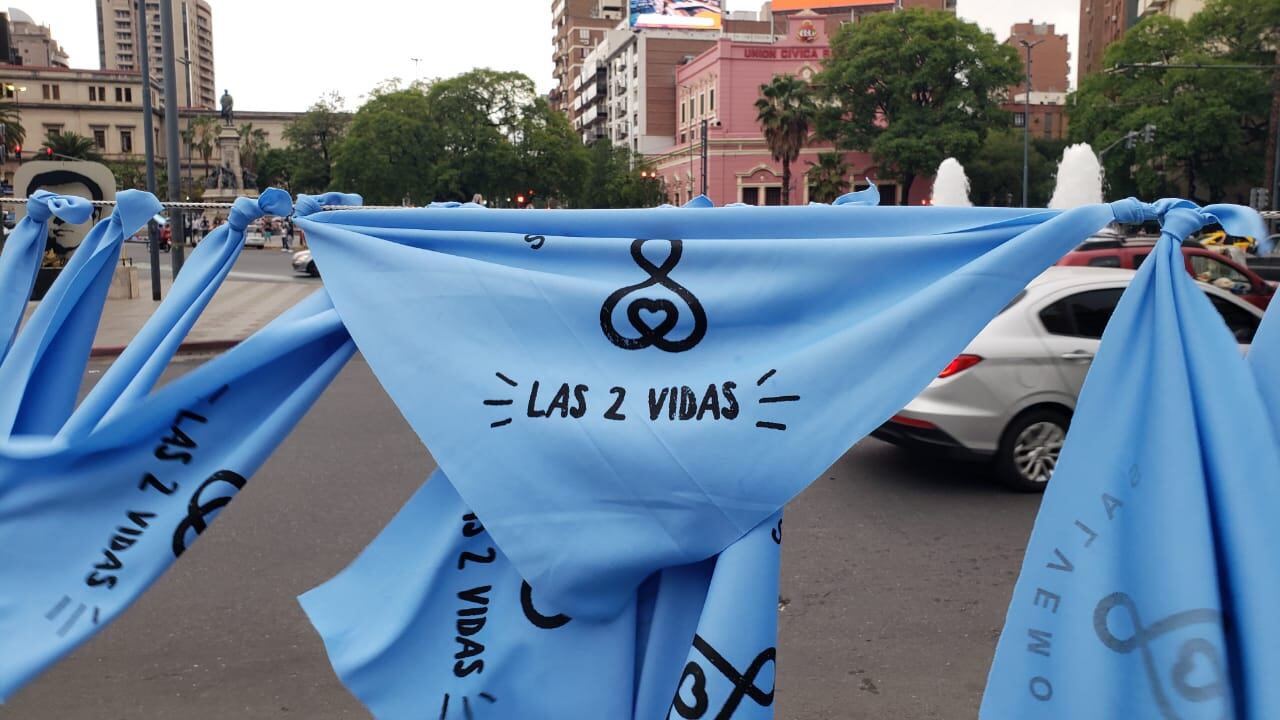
[(1029, 449), (312, 270)]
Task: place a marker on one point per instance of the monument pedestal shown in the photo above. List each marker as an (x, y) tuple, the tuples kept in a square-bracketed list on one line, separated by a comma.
[(229, 163)]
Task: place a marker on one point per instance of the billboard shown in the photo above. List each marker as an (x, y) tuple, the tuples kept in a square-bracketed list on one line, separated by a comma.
[(788, 5), (677, 14)]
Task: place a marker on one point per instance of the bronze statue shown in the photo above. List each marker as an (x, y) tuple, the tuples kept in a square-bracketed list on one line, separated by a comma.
[(227, 105)]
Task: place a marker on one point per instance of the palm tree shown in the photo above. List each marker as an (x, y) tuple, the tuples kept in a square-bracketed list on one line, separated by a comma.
[(11, 126), (253, 144), (785, 111), (68, 146), (828, 178), (204, 135)]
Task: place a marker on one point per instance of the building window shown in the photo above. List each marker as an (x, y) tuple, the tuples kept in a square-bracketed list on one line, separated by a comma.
[(100, 138), (1048, 125), (751, 195), (126, 141), (51, 92), (712, 101), (52, 131), (1019, 120), (682, 117), (702, 105), (119, 94)]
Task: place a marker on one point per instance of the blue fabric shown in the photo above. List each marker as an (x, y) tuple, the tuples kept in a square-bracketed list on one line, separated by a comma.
[(820, 320), (23, 251), (632, 473), (1148, 586), (41, 373), (94, 509), (1264, 361), (434, 593)]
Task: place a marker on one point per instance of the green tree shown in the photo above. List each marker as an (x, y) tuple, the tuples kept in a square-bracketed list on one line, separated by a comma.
[(69, 145), (481, 115), (828, 178), (552, 159), (314, 139), (390, 152), (130, 174), (11, 126), (274, 169), (1210, 124), (786, 111), (204, 131), (613, 180), (1247, 32), (995, 173), (913, 88), (253, 145)]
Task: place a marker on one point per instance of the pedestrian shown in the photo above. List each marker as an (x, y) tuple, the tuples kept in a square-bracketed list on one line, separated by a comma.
[(478, 199), (266, 232), (286, 235), (166, 237)]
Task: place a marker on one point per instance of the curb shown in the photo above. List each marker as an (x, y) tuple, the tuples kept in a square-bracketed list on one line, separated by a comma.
[(194, 347)]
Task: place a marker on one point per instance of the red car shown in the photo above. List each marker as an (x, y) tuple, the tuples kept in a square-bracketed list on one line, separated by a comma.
[(1204, 265)]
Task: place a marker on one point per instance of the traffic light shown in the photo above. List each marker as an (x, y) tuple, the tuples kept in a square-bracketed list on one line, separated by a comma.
[(17, 152), (48, 153), (1149, 133), (519, 201)]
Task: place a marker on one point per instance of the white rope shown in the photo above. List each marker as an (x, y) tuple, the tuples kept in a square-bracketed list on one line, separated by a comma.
[(1266, 214)]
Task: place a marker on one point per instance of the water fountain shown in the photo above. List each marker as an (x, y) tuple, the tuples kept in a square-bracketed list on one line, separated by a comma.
[(1079, 179), (950, 185)]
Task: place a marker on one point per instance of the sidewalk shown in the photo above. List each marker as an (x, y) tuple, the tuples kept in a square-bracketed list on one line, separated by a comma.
[(237, 310)]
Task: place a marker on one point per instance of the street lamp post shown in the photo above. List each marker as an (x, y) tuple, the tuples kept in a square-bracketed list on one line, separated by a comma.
[(148, 141), (17, 90), (704, 155), (1026, 120)]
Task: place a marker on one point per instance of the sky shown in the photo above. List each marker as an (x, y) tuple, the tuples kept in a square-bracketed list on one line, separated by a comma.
[(285, 54)]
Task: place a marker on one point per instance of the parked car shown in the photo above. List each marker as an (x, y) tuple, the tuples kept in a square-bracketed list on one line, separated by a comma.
[(1009, 397), (302, 263), (1204, 265)]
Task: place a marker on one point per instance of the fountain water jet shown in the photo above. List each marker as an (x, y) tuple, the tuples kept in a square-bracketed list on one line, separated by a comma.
[(1079, 179), (950, 185)]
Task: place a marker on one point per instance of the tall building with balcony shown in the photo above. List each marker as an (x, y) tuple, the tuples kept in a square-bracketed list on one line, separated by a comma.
[(579, 26), (119, 49), (1181, 9), (32, 44), (1044, 111), (1102, 22)]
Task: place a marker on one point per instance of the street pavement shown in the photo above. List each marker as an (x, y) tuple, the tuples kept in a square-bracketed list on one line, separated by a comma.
[(253, 265), (895, 578)]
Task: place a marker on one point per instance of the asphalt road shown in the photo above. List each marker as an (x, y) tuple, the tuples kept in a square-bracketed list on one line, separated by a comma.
[(895, 578), (252, 265)]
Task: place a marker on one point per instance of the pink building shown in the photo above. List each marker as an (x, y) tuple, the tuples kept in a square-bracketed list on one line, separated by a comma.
[(721, 86)]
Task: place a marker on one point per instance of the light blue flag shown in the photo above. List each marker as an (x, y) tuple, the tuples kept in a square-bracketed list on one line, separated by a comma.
[(731, 668), (94, 511), (620, 396), (433, 593), (616, 392), (23, 252), (1264, 361), (53, 347), (1149, 583)]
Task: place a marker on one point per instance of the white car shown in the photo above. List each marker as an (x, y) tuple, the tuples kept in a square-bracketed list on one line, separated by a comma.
[(302, 263), (1009, 396)]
